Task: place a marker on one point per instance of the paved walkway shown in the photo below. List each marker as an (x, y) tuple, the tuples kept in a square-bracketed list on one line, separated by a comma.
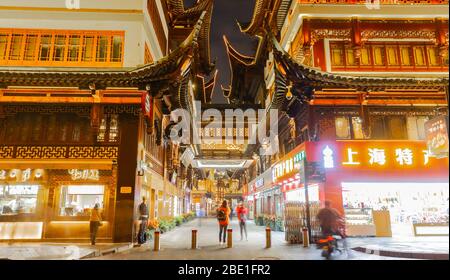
[(176, 245), (55, 251), (424, 247)]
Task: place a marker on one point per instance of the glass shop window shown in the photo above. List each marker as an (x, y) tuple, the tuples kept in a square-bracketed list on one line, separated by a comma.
[(397, 127), (74, 47), (78, 200), (30, 47), (114, 128), (116, 53), (3, 45), (88, 48), (101, 136), (16, 46), (102, 48), (357, 128), (416, 127), (378, 127), (342, 128), (44, 47), (18, 199), (59, 48)]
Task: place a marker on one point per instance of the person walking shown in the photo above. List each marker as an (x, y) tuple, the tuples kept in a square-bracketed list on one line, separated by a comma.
[(95, 221), (241, 212), (143, 218), (223, 216)]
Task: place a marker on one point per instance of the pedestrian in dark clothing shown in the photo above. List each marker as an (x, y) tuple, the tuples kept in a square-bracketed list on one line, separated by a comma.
[(143, 218)]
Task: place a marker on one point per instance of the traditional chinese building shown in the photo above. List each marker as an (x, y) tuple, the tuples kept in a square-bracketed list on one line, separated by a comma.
[(84, 100), (354, 85)]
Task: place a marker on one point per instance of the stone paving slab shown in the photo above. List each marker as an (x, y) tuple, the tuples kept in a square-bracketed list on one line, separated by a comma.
[(56, 251)]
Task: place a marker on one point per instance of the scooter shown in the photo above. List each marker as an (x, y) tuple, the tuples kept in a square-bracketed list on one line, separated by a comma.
[(328, 245)]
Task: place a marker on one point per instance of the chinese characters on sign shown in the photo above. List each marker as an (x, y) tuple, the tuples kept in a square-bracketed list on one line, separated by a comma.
[(288, 166), (376, 156), (87, 174), (437, 136), (21, 175)]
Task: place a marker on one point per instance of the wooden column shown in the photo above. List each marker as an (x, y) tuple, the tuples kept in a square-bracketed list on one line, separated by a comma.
[(127, 166)]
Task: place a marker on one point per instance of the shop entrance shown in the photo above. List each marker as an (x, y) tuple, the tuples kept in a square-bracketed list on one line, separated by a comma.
[(407, 204)]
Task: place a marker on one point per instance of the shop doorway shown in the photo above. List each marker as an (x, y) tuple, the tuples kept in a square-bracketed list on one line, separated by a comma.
[(407, 204)]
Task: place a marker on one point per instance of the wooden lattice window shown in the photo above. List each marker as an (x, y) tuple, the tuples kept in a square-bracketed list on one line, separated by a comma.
[(23, 47), (387, 56)]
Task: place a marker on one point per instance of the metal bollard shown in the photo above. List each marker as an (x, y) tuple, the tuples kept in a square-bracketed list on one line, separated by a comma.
[(194, 239), (156, 246), (230, 238), (268, 237), (305, 236)]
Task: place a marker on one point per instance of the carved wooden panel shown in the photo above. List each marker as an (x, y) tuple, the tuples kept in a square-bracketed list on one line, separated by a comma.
[(94, 152), (6, 152), (59, 152), (11, 110)]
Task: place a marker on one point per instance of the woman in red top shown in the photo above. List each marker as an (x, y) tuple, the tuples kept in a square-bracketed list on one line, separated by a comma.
[(223, 216), (241, 212)]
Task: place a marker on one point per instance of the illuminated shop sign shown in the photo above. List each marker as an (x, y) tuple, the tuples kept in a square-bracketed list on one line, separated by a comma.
[(86, 174), (374, 156), (21, 175), (436, 131), (288, 166), (19, 190)]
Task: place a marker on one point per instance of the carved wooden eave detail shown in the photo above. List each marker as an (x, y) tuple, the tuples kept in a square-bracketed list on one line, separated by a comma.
[(305, 79), (179, 16), (158, 76), (255, 26)]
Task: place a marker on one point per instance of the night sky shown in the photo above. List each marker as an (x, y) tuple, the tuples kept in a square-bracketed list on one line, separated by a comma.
[(225, 15)]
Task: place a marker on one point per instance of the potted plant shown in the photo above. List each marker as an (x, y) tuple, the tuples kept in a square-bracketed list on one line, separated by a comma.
[(151, 228), (279, 224)]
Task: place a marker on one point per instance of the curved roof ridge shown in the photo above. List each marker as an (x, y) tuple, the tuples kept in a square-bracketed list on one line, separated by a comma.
[(323, 77), (239, 57), (119, 78), (257, 18)]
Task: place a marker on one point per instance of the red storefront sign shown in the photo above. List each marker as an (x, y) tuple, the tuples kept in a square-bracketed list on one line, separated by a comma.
[(383, 161), (147, 108)]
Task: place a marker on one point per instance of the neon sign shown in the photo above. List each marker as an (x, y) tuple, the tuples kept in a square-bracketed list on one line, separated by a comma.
[(288, 165), (21, 175), (328, 160), (375, 156), (87, 174)]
